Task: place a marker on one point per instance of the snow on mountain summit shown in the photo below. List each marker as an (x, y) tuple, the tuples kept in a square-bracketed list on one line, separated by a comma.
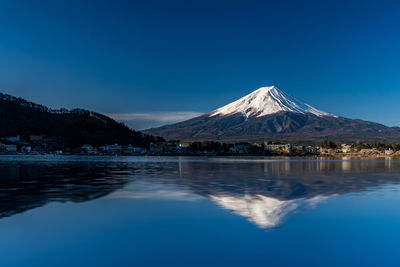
[(265, 101)]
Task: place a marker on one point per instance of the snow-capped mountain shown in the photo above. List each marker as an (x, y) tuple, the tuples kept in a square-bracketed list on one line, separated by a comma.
[(266, 101), (269, 113)]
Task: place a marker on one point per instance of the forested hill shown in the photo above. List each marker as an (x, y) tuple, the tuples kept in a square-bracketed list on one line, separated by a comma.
[(70, 128)]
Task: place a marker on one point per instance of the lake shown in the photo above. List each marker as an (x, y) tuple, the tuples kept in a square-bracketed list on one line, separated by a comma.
[(189, 211)]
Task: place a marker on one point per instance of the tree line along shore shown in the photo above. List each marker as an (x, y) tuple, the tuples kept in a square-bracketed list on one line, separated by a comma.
[(40, 145)]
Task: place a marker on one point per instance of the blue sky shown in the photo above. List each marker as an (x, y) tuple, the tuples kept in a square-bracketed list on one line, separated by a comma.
[(161, 60)]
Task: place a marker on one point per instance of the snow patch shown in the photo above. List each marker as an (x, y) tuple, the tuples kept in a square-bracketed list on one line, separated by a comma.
[(265, 101)]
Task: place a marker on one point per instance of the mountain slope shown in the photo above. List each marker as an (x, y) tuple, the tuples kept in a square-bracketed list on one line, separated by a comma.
[(269, 113), (71, 128)]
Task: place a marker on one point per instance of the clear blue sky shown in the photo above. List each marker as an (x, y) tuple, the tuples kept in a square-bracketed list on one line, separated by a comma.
[(160, 57)]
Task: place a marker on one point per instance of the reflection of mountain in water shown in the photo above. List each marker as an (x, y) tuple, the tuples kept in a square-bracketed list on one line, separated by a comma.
[(263, 191), (264, 211), (24, 186)]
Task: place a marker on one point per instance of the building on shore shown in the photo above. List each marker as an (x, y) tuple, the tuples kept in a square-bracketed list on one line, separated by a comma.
[(369, 151), (12, 139), (10, 148), (271, 147), (389, 152), (36, 138), (242, 148), (345, 148), (89, 149)]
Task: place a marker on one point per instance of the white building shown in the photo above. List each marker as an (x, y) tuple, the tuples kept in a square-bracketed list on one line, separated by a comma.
[(12, 139), (346, 148)]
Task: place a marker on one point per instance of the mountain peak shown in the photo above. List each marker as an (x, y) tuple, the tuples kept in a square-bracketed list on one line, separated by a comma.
[(267, 100)]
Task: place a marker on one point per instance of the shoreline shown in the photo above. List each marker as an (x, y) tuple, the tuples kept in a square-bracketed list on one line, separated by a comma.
[(352, 156)]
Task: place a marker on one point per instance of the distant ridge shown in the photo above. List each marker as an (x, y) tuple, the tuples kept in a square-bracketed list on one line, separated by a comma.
[(269, 113)]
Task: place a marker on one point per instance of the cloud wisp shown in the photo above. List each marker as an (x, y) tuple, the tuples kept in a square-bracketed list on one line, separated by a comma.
[(142, 121), (156, 116)]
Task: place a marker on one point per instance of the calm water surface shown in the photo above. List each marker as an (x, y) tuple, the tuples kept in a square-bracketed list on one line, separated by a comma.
[(149, 211)]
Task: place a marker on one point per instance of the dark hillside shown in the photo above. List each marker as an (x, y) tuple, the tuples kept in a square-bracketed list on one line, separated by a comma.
[(70, 128)]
